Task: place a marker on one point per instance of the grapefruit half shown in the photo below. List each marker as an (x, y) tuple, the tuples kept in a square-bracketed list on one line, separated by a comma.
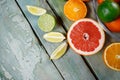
[(86, 37)]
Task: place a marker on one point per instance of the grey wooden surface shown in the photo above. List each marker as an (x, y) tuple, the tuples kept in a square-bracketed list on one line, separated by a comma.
[(24, 54)]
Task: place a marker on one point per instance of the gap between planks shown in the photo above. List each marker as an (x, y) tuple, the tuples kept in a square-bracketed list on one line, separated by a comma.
[(86, 62), (38, 39)]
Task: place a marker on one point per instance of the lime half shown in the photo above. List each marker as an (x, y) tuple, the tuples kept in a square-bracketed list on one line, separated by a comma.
[(46, 22)]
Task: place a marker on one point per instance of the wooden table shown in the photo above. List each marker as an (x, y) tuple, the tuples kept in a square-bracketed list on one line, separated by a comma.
[(24, 54)]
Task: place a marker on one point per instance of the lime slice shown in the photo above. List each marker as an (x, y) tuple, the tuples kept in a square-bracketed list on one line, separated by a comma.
[(54, 37), (46, 22), (36, 10), (59, 51)]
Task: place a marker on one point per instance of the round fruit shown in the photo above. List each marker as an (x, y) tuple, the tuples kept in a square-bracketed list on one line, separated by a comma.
[(112, 56), (46, 22), (108, 11), (114, 26), (86, 37), (75, 9), (100, 1)]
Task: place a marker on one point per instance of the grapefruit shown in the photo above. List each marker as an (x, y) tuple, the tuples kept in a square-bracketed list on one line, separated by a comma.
[(86, 37)]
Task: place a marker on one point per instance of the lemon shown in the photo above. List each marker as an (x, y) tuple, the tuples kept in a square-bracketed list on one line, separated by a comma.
[(59, 51), (36, 10), (54, 37), (46, 22)]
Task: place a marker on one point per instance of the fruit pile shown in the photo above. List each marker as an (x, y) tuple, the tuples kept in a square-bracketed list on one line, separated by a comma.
[(85, 35), (109, 12)]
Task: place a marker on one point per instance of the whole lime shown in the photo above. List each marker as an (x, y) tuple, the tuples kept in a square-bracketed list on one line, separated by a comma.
[(108, 11)]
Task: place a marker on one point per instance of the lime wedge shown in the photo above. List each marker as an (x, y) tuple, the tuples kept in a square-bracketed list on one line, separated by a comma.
[(59, 51), (46, 22), (54, 37), (36, 10)]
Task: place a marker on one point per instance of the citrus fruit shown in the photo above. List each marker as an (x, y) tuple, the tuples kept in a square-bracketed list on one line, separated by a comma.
[(112, 56), (86, 37), (100, 1), (54, 37), (46, 22), (108, 11), (36, 10), (59, 51), (75, 9), (114, 26)]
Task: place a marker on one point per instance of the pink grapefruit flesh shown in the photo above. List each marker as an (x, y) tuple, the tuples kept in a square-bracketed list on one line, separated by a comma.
[(86, 37)]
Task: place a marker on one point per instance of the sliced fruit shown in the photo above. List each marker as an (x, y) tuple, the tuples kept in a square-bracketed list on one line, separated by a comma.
[(112, 56), (75, 9), (114, 26), (108, 11), (59, 51), (36, 10), (46, 22), (54, 37), (86, 37)]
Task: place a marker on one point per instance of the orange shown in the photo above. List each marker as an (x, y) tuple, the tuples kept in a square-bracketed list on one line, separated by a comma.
[(114, 26), (112, 56), (75, 9), (100, 1), (86, 37)]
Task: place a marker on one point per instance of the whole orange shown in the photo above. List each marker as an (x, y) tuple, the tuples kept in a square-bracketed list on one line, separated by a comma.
[(114, 26)]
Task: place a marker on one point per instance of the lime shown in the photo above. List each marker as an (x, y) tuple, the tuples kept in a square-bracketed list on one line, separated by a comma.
[(54, 37), (46, 22), (59, 51), (108, 11), (36, 10)]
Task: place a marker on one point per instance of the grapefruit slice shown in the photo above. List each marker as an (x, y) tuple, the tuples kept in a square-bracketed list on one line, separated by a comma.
[(86, 37)]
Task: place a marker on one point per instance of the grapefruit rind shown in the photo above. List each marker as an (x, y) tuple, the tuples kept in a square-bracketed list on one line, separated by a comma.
[(104, 57), (101, 41)]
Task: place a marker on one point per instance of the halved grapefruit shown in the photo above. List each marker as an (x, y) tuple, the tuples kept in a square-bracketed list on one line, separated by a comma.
[(86, 37)]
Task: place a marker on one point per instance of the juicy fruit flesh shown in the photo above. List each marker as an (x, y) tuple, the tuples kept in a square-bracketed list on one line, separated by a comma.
[(87, 38), (113, 56)]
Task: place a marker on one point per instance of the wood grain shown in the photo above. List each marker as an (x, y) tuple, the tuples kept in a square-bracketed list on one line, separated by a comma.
[(95, 61), (71, 65), (22, 57)]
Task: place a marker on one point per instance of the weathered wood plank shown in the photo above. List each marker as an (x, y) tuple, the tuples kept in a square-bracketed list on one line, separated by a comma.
[(96, 62), (21, 55), (71, 66)]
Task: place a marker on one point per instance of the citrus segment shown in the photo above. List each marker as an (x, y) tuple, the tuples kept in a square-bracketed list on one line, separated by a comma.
[(54, 37), (86, 37), (36, 10), (59, 51), (112, 56), (46, 22), (75, 9)]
